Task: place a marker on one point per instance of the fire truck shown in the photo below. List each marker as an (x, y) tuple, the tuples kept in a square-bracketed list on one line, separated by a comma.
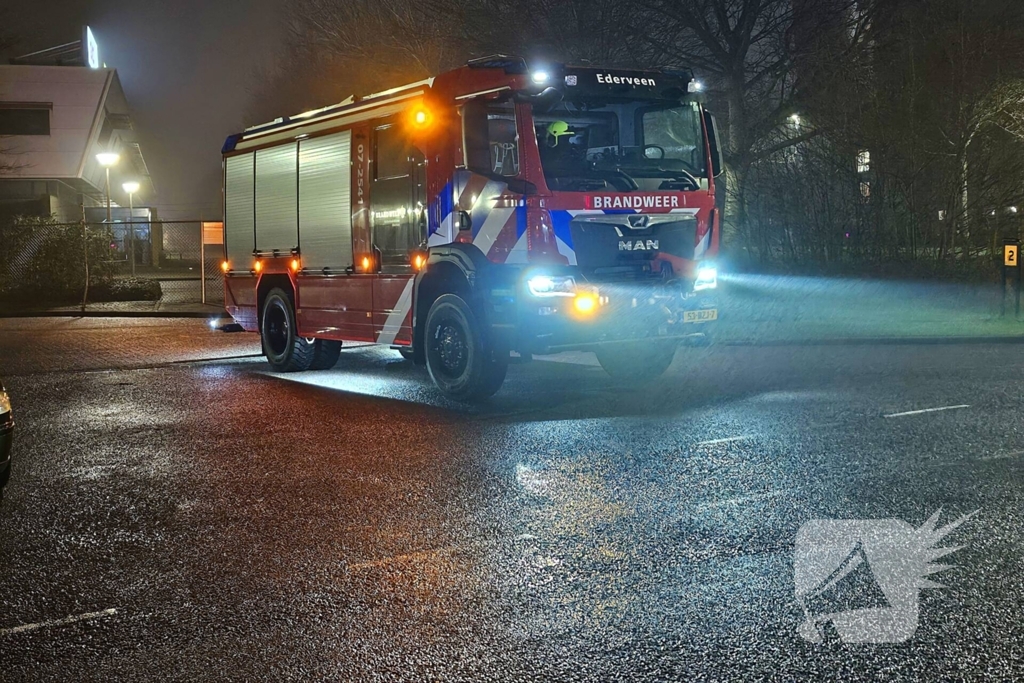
[(487, 215)]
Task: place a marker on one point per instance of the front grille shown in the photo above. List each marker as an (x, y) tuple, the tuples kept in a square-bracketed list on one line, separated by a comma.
[(605, 242)]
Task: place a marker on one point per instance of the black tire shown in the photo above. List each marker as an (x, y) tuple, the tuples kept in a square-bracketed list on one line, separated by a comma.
[(325, 354), (285, 350), (459, 360), (407, 353), (5, 478), (637, 362)]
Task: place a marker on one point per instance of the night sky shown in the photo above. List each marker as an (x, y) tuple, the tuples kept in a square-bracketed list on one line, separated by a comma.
[(188, 68)]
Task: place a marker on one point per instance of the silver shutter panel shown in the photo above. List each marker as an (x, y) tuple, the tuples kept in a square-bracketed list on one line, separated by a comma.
[(325, 201), (277, 199), (239, 210)]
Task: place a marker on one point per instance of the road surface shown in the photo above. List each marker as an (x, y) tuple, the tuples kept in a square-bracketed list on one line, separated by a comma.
[(178, 512)]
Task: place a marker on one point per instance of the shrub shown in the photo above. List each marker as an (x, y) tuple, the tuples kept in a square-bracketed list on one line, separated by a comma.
[(125, 289)]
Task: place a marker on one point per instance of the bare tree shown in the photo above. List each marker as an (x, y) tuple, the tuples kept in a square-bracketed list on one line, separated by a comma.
[(761, 59)]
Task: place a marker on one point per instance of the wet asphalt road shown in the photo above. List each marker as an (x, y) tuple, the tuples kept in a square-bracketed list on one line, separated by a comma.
[(208, 520)]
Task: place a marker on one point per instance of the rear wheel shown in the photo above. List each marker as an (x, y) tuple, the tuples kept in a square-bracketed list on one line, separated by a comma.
[(460, 362), (285, 350), (637, 362), (325, 354)]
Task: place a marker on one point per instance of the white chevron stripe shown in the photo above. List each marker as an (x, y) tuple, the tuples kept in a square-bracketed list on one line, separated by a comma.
[(565, 250), (445, 234), (520, 253), (491, 228), (397, 316), (703, 246)]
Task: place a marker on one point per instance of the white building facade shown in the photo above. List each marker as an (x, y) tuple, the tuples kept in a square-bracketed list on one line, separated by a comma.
[(59, 108)]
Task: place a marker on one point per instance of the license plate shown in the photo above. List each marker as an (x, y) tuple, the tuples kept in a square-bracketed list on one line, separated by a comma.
[(700, 316)]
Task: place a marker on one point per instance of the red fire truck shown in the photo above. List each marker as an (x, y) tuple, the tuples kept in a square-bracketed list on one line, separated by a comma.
[(489, 212)]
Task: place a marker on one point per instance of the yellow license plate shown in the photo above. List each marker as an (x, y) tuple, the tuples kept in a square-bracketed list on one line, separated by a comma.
[(700, 316)]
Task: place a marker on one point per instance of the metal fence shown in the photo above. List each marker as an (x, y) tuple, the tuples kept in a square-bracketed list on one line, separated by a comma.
[(45, 263)]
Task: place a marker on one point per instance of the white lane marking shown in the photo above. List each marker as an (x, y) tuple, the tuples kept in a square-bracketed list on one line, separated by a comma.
[(731, 439), (739, 500), (393, 325), (571, 358), (58, 622), (928, 410)]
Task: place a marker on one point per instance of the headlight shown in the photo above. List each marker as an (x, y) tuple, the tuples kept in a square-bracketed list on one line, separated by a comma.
[(551, 285), (5, 403), (707, 278)]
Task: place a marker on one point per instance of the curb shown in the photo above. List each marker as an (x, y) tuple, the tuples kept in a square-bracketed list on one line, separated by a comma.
[(115, 314)]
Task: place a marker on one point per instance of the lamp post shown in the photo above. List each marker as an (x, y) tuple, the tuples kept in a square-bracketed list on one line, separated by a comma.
[(131, 187), (108, 159)]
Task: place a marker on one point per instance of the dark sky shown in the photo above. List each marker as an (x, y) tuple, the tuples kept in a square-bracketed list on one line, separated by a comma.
[(188, 68)]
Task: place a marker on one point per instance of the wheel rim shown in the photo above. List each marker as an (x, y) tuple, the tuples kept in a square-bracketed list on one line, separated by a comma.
[(451, 349), (276, 329)]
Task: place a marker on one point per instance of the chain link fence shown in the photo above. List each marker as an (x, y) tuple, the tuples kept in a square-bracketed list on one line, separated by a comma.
[(45, 264)]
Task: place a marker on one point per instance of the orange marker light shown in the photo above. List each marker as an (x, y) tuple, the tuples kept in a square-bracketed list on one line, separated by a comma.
[(417, 261), (585, 303), (225, 266), (296, 265), (258, 266), (420, 117), (366, 263)]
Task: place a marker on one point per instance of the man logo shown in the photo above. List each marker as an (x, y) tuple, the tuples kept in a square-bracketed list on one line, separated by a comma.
[(860, 579), (639, 245), (639, 222)]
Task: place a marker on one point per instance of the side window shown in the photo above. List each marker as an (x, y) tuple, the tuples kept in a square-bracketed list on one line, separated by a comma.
[(491, 140), (398, 196)]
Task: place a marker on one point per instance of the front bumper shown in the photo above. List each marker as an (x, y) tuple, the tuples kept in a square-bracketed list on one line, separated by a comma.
[(634, 312)]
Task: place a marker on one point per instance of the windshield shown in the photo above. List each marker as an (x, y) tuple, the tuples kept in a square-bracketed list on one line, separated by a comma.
[(621, 145)]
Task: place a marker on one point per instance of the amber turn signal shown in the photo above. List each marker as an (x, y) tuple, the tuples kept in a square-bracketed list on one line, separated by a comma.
[(585, 303)]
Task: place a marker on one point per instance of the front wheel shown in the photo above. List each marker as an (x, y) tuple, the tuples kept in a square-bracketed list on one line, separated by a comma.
[(326, 353), (460, 362), (637, 362), (285, 350)]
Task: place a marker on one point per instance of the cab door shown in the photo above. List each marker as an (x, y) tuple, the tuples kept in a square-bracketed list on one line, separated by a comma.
[(398, 207)]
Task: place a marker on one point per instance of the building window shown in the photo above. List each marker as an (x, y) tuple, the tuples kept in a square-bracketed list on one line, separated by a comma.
[(864, 162), (24, 119)]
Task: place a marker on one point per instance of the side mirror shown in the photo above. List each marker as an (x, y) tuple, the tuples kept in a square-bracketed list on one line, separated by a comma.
[(654, 152), (463, 221), (717, 160)]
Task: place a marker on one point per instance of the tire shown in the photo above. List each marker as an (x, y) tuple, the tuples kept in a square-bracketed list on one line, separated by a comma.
[(5, 478), (285, 350), (637, 362), (460, 362), (325, 354)]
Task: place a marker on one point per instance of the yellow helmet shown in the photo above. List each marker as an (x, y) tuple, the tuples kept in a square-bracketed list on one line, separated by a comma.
[(557, 129)]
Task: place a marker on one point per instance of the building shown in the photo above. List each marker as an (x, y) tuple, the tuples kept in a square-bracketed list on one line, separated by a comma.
[(59, 108)]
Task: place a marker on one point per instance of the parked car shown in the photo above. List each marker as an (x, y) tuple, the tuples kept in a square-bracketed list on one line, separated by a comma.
[(6, 436)]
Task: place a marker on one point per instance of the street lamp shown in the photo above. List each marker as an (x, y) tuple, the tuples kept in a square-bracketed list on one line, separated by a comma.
[(108, 159), (131, 187)]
